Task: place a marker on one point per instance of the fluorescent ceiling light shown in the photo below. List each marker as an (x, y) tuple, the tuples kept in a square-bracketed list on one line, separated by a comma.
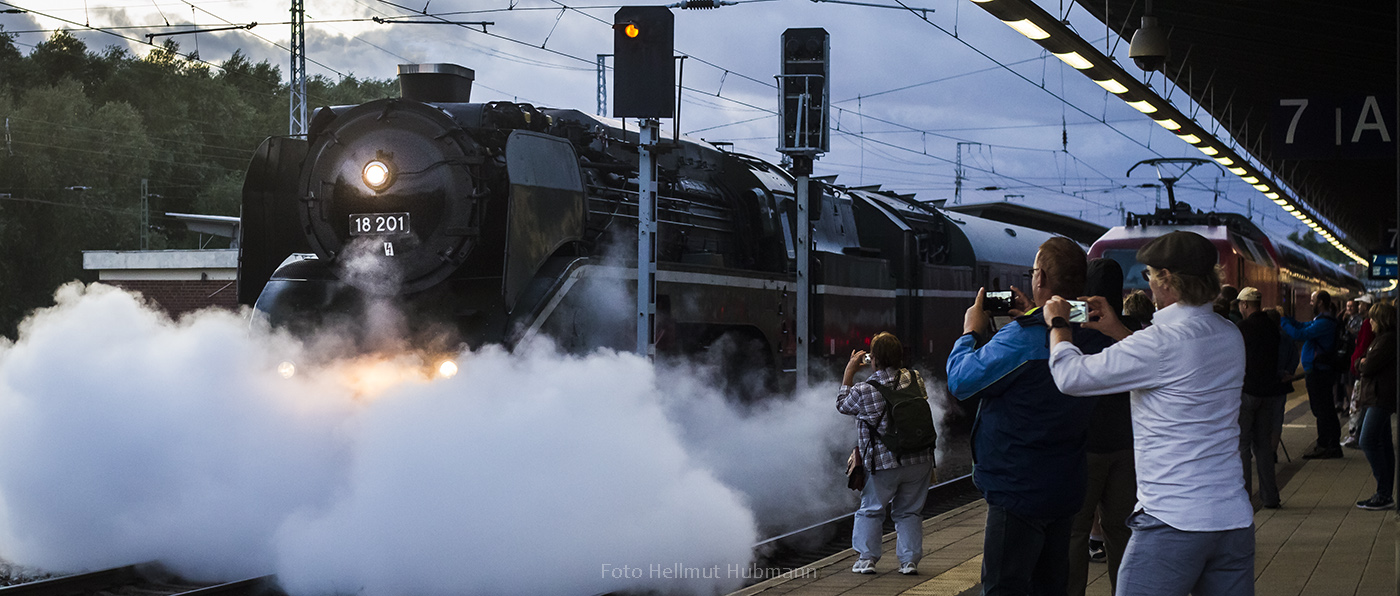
[(1112, 86), (1193, 139), (1028, 29), (1289, 208), (1272, 195), (1261, 187), (1143, 106), (1168, 124), (1278, 201), (1225, 161), (1238, 171), (1075, 60), (1208, 150), (1250, 180)]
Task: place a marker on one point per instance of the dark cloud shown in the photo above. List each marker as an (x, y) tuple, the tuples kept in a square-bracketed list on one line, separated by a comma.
[(735, 48)]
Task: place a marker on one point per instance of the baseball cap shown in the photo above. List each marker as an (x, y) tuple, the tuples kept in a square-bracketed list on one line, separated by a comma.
[(1365, 298), (1181, 252), (1250, 294)]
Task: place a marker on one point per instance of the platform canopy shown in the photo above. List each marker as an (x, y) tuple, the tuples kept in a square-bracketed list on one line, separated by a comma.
[(1250, 63)]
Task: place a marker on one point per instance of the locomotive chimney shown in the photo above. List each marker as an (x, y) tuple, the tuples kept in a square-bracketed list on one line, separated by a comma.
[(436, 83)]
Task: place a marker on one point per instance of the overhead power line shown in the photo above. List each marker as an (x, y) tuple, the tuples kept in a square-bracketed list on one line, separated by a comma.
[(150, 36)]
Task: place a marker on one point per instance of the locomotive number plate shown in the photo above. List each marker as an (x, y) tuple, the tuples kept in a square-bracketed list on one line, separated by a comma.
[(379, 224)]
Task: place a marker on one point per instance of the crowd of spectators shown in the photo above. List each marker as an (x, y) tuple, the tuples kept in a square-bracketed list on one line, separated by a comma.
[(1135, 436)]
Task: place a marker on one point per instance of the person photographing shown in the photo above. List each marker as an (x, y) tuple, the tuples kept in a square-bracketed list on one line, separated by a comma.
[(1193, 528), (898, 482), (1028, 441)]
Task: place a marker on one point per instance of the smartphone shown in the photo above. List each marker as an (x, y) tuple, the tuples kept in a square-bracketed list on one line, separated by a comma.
[(1078, 311), (997, 303), (865, 359)]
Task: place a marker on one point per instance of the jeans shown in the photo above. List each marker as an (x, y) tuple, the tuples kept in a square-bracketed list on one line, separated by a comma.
[(1258, 417), (1379, 449), (1024, 555), (1164, 561), (1320, 384), (902, 491), (1113, 490)]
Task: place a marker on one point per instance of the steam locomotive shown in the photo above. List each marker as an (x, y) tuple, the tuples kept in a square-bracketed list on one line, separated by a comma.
[(497, 222)]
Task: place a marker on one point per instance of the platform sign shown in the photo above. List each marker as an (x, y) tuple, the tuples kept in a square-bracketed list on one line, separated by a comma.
[(1334, 127), (1383, 266)]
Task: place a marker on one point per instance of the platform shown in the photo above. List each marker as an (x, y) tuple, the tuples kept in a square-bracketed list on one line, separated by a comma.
[(1318, 543)]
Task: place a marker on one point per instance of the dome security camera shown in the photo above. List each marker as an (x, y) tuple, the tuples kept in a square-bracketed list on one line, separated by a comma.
[(1149, 49)]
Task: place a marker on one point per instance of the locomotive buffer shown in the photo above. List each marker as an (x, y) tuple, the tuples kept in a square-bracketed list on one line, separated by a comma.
[(803, 89)]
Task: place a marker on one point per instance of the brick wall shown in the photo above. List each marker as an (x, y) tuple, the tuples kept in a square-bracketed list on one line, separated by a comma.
[(177, 297)]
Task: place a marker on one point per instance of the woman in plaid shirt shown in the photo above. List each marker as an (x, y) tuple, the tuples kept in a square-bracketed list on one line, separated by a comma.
[(899, 483)]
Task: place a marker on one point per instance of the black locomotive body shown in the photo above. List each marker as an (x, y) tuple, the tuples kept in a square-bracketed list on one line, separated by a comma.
[(502, 221)]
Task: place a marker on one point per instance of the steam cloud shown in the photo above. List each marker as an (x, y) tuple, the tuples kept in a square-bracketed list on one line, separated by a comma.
[(126, 437)]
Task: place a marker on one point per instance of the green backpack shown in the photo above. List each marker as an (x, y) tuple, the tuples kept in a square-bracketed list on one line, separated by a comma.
[(910, 428)]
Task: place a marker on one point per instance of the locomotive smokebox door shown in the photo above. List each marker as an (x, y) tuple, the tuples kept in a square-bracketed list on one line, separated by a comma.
[(391, 183), (546, 205)]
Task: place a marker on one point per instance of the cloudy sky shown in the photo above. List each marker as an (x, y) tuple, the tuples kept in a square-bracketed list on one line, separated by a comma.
[(908, 92)]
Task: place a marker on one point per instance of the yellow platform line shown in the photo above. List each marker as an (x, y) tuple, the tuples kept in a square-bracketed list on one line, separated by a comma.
[(951, 582)]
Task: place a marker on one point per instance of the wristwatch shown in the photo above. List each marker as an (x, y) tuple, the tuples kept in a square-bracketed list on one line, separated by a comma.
[(1059, 323)]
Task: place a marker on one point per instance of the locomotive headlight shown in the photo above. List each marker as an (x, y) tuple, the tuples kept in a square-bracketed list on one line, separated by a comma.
[(376, 175), (447, 369)]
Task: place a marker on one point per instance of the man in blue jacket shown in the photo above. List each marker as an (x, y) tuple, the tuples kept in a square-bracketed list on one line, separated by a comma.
[(1319, 337), (1028, 439)]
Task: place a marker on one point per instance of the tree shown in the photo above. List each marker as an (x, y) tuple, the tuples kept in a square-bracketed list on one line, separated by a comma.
[(104, 121)]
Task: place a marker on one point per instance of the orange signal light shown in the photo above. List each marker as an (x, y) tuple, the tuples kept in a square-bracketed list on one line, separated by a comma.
[(631, 30)]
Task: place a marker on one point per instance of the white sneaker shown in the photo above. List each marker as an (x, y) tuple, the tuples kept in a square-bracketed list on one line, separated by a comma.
[(866, 566), (909, 568)]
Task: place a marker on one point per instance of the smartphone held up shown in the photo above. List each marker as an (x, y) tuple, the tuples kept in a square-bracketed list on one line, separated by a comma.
[(1078, 311), (997, 303)]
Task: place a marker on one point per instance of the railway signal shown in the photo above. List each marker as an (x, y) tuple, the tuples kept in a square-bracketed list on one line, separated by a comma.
[(805, 85), (803, 88), (644, 73), (644, 78)]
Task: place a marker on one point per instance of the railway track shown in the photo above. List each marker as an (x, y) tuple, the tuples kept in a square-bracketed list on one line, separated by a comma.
[(799, 548), (147, 579)]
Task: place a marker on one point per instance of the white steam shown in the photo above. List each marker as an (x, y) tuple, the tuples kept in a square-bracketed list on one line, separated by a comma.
[(126, 437), (781, 453)]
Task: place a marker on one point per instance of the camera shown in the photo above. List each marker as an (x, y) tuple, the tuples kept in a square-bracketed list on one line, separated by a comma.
[(997, 303), (1078, 311), (1149, 49)]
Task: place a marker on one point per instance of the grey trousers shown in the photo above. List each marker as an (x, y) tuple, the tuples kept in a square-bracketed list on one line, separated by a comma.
[(1258, 418), (1112, 491), (900, 491), (1164, 561)]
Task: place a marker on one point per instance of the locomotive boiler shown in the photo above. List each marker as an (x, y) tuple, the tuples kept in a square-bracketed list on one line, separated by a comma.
[(499, 222)]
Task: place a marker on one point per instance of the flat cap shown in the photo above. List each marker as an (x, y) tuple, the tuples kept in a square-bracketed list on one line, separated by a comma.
[(1250, 295), (1187, 253)]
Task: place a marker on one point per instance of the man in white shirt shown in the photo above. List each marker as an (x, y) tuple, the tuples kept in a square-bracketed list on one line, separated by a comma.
[(1193, 529)]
